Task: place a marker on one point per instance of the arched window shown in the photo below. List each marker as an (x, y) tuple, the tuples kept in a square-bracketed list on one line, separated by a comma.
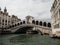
[(12, 25), (40, 23), (8, 27), (15, 25), (49, 24), (20, 23), (37, 22), (44, 24), (23, 22), (33, 22)]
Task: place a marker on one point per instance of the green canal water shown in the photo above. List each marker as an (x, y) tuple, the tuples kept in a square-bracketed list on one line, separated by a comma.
[(28, 39)]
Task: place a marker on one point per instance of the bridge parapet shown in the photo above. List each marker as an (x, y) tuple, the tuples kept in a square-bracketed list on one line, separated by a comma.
[(39, 25)]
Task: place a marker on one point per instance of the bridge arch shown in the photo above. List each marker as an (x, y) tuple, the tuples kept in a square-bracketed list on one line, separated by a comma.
[(44, 24), (49, 24), (40, 23), (37, 22), (18, 24), (23, 22), (15, 24), (33, 21), (39, 31)]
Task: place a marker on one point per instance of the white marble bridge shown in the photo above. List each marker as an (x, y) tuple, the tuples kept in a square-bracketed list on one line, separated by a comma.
[(35, 25)]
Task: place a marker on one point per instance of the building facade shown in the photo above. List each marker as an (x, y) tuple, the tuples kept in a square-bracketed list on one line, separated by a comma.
[(55, 11), (15, 19), (6, 20)]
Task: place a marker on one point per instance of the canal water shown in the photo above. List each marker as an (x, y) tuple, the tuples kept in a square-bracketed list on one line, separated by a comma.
[(28, 39)]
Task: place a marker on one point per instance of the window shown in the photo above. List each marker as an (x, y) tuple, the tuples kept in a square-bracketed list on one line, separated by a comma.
[(15, 25), (56, 26), (2, 23), (56, 16), (20, 22), (55, 2), (23, 22), (12, 25), (6, 24), (3, 20), (59, 12)]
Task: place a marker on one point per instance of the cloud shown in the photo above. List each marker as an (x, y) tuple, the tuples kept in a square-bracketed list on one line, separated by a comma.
[(22, 8)]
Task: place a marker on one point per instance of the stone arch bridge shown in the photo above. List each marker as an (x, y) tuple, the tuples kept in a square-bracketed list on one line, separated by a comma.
[(23, 26)]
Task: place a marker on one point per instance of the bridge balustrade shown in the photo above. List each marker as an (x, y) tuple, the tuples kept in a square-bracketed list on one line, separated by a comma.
[(39, 24)]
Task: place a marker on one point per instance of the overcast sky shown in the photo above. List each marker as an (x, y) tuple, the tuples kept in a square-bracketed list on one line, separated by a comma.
[(21, 8)]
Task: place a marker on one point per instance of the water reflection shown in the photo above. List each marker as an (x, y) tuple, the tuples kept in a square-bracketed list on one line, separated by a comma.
[(27, 39), (20, 39)]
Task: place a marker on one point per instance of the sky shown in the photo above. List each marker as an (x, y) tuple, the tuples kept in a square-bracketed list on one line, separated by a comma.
[(37, 8)]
